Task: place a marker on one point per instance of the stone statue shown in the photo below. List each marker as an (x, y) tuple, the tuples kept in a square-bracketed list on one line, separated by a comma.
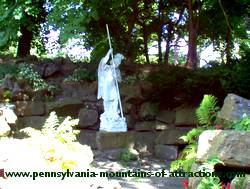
[(108, 76)]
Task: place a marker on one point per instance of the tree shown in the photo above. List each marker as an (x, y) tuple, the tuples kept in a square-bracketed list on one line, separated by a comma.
[(20, 23)]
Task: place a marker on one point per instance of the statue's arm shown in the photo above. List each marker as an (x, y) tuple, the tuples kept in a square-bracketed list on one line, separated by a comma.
[(106, 58)]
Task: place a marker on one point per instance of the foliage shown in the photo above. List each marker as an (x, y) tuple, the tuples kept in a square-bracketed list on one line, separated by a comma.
[(130, 79), (207, 111), (26, 71), (242, 125), (7, 69), (188, 155), (80, 74), (205, 114), (127, 155), (63, 131), (60, 135), (20, 21), (239, 182), (210, 182)]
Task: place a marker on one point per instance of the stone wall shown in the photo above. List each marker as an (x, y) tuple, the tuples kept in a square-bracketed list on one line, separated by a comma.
[(150, 130)]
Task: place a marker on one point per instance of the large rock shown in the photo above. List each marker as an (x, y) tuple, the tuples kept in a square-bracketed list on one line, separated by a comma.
[(131, 93), (185, 116), (84, 91), (166, 152), (166, 116), (36, 122), (65, 107), (9, 115), (148, 111), (106, 140), (171, 136), (87, 137), (231, 147), (234, 108), (144, 142), (87, 117), (145, 126), (4, 127), (29, 108)]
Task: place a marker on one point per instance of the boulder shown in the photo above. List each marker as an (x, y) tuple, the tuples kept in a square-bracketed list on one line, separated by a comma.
[(166, 152), (148, 111), (4, 127), (234, 108), (35, 122), (84, 91), (8, 82), (29, 108), (106, 140), (166, 116), (9, 115), (229, 146), (65, 107), (130, 121), (87, 137), (87, 117), (144, 142), (185, 116), (171, 136), (131, 93), (145, 126), (160, 126)]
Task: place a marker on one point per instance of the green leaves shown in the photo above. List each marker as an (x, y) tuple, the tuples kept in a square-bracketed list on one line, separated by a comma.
[(242, 125), (26, 71), (207, 111)]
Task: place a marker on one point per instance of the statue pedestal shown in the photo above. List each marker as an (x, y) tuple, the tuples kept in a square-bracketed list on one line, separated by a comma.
[(111, 124)]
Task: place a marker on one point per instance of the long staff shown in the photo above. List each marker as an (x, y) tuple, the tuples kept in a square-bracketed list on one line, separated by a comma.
[(116, 82)]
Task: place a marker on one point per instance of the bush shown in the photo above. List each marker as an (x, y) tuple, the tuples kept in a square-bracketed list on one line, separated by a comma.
[(26, 71), (8, 69), (80, 74)]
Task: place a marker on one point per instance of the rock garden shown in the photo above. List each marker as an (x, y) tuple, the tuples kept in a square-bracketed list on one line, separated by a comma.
[(50, 122)]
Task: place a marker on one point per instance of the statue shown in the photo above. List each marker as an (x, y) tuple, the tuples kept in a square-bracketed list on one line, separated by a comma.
[(108, 76)]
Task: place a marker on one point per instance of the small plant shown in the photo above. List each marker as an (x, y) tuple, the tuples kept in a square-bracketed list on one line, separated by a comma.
[(188, 155), (127, 155), (80, 74), (210, 182), (242, 125), (61, 137), (63, 131), (207, 111), (130, 79), (26, 71)]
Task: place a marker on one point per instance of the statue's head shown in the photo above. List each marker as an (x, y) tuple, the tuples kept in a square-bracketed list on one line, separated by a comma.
[(118, 59)]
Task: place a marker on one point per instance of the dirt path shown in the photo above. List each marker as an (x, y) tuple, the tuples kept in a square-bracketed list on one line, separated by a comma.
[(148, 164)]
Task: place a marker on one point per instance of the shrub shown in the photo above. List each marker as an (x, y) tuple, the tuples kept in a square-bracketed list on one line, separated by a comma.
[(80, 74), (57, 138), (242, 125), (8, 69), (26, 71)]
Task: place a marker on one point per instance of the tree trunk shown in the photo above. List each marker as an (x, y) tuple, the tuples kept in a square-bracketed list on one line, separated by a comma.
[(228, 46), (192, 33), (159, 47), (145, 44), (159, 33), (168, 42), (24, 43)]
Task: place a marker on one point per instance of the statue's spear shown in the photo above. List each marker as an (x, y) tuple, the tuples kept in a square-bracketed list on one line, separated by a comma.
[(116, 82)]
